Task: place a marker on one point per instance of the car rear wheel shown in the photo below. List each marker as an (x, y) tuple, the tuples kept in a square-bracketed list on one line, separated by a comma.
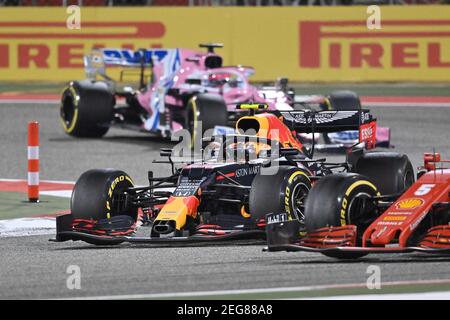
[(209, 110), (392, 172), (340, 100), (343, 100), (86, 109)]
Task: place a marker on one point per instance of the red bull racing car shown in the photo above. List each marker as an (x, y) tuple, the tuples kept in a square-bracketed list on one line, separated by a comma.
[(263, 168), (347, 217)]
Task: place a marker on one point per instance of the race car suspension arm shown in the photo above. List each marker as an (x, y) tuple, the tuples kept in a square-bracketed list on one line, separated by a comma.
[(165, 182), (223, 185), (229, 179), (145, 200), (146, 196), (237, 201), (218, 195)]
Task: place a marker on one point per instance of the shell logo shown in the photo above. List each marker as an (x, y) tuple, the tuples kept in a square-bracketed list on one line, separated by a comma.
[(410, 203)]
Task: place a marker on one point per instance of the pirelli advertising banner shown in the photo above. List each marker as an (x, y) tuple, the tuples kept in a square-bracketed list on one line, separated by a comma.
[(322, 44)]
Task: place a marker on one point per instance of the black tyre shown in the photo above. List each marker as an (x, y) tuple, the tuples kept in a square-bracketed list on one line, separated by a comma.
[(96, 195), (209, 109), (343, 100), (284, 191), (391, 172), (86, 109), (340, 200)]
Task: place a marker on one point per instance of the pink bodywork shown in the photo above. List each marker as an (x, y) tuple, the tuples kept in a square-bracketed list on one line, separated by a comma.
[(179, 71), (187, 72)]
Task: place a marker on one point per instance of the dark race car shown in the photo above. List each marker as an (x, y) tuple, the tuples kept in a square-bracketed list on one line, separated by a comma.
[(261, 169), (347, 217)]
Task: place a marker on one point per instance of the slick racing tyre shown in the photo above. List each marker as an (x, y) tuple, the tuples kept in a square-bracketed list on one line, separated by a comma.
[(392, 172), (339, 200), (98, 195), (86, 109), (208, 109), (343, 100), (340, 100), (284, 191)]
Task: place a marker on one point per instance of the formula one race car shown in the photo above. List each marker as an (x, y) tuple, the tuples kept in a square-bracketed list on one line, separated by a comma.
[(185, 88), (346, 217), (241, 178)]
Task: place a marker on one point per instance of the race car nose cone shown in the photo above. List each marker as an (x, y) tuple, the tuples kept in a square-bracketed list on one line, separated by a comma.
[(164, 226)]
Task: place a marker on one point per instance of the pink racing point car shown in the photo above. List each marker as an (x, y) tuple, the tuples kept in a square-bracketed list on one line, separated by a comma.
[(180, 89)]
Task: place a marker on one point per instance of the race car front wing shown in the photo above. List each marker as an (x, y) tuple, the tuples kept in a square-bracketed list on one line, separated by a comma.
[(286, 235), (68, 229)]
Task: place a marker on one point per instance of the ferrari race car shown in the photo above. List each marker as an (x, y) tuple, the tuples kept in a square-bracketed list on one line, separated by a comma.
[(179, 89), (260, 169), (346, 217)]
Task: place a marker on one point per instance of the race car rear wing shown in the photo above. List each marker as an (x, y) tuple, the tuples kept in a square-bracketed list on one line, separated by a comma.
[(326, 121), (96, 63), (306, 121)]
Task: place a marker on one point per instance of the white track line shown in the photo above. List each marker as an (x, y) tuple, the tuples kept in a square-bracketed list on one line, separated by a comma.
[(27, 227), (57, 193), (33, 226), (445, 295), (194, 294)]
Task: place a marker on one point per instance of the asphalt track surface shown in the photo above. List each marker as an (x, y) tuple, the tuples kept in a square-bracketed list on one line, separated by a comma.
[(32, 267)]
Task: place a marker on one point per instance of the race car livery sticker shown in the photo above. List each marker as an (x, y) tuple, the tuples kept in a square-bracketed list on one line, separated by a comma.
[(276, 218), (125, 57), (395, 218), (187, 187), (367, 134), (409, 204), (322, 117), (424, 189), (252, 170)]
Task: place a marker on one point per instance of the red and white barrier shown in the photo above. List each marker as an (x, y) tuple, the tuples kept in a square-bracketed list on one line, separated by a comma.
[(33, 161)]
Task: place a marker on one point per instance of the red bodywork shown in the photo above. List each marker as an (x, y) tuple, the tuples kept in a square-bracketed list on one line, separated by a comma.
[(404, 215), (368, 134), (391, 231)]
